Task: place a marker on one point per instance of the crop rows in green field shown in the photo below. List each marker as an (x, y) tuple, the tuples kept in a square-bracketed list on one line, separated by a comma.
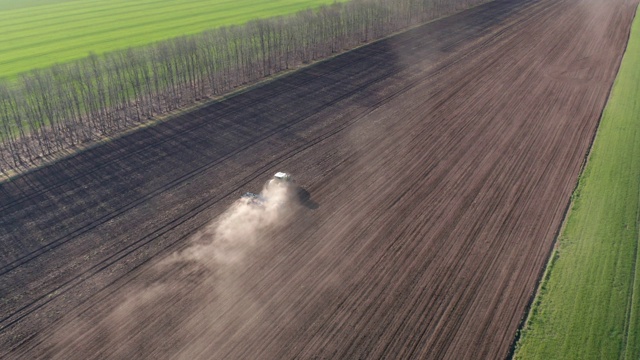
[(588, 305), (55, 31)]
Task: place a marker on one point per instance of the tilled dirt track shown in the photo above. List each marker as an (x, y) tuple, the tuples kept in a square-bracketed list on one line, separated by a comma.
[(438, 165)]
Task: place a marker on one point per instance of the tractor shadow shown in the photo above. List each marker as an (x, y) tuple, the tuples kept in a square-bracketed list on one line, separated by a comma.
[(304, 198)]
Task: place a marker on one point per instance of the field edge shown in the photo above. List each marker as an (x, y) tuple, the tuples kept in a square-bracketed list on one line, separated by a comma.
[(540, 296)]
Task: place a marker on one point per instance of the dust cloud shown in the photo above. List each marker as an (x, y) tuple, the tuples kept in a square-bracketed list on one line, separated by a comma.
[(227, 240), (190, 292)]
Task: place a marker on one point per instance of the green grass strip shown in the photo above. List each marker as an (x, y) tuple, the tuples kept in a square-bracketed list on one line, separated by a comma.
[(19, 4), (63, 30), (588, 303)]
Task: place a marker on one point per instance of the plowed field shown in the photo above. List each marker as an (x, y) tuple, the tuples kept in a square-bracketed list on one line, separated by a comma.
[(435, 169)]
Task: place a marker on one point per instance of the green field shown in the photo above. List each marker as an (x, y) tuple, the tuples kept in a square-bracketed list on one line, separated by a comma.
[(40, 33), (588, 305)]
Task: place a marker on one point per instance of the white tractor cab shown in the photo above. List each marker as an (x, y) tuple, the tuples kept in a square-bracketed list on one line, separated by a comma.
[(280, 179), (282, 176)]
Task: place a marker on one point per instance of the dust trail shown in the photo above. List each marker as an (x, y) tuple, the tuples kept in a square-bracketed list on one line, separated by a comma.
[(189, 293), (240, 228)]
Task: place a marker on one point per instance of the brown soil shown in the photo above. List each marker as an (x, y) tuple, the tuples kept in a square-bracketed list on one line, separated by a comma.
[(435, 169)]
